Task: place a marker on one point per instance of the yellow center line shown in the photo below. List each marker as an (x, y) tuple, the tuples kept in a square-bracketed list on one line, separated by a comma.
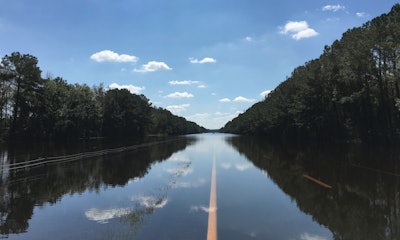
[(212, 214)]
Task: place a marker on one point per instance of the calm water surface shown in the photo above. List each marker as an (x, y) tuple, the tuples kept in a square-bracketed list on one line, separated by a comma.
[(162, 191)]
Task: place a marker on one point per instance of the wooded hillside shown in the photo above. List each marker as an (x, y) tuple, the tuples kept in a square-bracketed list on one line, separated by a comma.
[(351, 92), (34, 108)]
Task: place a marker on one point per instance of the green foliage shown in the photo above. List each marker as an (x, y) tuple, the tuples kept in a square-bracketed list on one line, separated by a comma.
[(125, 114), (165, 123), (351, 92), (23, 80), (32, 108)]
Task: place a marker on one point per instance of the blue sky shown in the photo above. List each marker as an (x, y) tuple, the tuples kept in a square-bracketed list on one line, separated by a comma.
[(204, 60)]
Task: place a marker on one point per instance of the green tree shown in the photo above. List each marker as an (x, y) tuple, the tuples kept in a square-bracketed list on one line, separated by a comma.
[(25, 79), (54, 108), (5, 101), (125, 115), (32, 108), (165, 123), (351, 92), (82, 112)]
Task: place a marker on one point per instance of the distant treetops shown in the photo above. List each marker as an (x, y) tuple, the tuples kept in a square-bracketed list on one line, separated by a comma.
[(351, 92), (36, 108)]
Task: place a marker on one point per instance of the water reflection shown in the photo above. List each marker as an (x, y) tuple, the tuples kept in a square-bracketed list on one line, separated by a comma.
[(104, 215), (144, 204), (364, 202), (22, 190), (138, 195)]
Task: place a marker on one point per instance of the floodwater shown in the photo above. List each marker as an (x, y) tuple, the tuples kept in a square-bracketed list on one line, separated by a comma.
[(162, 191)]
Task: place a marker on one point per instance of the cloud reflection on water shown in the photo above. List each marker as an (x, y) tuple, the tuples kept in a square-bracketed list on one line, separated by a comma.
[(103, 215), (183, 168), (150, 201), (179, 171), (307, 236), (181, 184), (202, 208), (238, 166), (180, 158)]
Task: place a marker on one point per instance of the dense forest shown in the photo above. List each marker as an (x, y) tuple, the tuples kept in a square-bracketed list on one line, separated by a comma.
[(36, 108), (351, 92)]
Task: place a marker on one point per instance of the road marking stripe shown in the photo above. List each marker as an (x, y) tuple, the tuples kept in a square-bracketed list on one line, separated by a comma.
[(212, 214)]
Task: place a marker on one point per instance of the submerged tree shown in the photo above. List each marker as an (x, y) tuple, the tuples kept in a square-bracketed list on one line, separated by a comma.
[(126, 115), (33, 108), (351, 92), (23, 75), (165, 123)]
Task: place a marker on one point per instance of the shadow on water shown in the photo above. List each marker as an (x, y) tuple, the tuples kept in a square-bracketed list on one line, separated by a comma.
[(22, 190), (364, 201)]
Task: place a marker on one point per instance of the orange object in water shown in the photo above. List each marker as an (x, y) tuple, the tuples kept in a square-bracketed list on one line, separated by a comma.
[(317, 181)]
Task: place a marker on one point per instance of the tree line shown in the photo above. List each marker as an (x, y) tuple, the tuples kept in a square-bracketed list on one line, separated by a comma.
[(36, 108), (351, 92)]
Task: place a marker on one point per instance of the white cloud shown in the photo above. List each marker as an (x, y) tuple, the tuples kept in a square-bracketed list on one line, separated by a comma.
[(204, 60), (298, 30), (294, 27), (103, 215), (187, 82), (224, 100), (177, 108), (153, 66), (333, 8), (110, 56), (243, 99), (198, 116), (133, 89), (265, 93), (222, 118), (213, 120), (184, 82), (361, 14), (309, 32), (334, 19), (180, 95), (248, 39)]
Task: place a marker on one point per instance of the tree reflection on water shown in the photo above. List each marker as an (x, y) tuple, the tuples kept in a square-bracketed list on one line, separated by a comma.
[(24, 189), (364, 202)]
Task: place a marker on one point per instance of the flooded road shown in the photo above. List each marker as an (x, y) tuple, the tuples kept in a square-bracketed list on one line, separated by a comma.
[(209, 186)]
